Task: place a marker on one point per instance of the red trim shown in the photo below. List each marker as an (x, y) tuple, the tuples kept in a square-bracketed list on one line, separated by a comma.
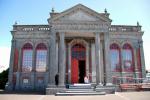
[(41, 46)]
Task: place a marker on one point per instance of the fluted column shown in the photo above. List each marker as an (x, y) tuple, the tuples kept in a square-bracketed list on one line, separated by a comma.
[(52, 68), (62, 60), (107, 59), (97, 58), (10, 76)]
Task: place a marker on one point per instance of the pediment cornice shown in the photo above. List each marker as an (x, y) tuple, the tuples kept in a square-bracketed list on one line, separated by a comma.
[(80, 12)]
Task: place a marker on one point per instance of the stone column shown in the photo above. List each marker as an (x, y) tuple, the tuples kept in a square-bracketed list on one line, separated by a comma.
[(107, 59), (97, 58), (87, 60), (69, 63), (52, 68), (57, 56), (10, 76), (62, 60), (142, 60), (101, 61), (93, 63), (19, 69)]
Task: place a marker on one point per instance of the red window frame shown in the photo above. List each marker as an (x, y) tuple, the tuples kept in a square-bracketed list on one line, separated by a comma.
[(129, 47), (115, 46)]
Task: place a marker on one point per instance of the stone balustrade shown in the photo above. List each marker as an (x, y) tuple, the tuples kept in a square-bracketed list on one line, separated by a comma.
[(113, 28), (123, 28), (31, 27)]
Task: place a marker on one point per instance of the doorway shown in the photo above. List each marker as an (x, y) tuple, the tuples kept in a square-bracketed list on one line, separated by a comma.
[(81, 71), (78, 65)]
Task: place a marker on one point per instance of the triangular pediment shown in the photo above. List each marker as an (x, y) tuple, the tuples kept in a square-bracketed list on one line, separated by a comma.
[(80, 13), (79, 16)]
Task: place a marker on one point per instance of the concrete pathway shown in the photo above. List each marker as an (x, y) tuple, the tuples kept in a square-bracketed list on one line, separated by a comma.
[(116, 96)]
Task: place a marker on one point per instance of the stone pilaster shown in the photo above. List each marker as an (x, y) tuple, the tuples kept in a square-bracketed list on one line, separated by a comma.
[(107, 59), (122, 67), (135, 63), (10, 76), (19, 69), (33, 73), (97, 58), (52, 68), (142, 61), (62, 60)]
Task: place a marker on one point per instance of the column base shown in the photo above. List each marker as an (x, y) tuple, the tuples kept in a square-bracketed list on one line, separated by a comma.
[(100, 84), (8, 87), (53, 89), (109, 84)]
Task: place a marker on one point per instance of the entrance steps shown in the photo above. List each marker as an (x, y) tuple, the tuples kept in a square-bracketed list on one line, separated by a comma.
[(80, 89)]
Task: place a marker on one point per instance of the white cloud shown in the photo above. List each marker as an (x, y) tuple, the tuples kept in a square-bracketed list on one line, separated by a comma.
[(4, 58)]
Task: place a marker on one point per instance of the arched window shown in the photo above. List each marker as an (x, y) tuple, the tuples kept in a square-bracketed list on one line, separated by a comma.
[(27, 52), (127, 55), (41, 57), (115, 57)]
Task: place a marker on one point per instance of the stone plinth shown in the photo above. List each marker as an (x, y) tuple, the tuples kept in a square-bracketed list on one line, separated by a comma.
[(52, 90), (108, 89)]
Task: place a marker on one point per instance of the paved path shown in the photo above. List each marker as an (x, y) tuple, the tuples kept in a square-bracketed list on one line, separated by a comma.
[(116, 96)]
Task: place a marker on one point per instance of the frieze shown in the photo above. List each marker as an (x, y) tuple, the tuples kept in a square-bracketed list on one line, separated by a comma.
[(80, 27)]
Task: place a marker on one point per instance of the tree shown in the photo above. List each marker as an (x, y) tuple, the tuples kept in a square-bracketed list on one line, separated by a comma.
[(3, 78)]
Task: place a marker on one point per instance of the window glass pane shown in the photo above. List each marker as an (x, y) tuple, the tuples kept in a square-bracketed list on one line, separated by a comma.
[(41, 60), (27, 60), (114, 59), (127, 58)]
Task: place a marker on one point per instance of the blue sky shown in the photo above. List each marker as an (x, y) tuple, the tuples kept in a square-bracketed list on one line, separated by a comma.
[(122, 12)]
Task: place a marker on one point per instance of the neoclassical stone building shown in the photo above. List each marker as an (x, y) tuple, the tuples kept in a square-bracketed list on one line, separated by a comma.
[(75, 43)]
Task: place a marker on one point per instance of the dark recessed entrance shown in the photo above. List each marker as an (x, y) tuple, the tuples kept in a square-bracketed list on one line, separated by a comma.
[(81, 71), (78, 63)]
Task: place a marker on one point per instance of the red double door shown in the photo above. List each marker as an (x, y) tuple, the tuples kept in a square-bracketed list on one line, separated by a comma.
[(77, 63)]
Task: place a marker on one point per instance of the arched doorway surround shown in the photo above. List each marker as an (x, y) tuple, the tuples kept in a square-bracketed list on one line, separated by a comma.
[(78, 60)]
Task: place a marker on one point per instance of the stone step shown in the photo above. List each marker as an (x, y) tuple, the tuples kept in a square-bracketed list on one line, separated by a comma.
[(76, 94), (80, 89), (83, 86)]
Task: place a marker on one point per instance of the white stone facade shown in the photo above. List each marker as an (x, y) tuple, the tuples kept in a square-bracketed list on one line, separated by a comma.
[(77, 25)]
